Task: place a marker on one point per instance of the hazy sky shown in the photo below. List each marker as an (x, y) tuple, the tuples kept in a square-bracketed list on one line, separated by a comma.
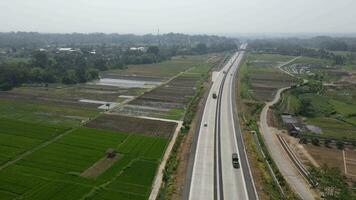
[(185, 16)]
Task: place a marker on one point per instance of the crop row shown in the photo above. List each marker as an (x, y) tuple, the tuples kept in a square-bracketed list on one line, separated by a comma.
[(53, 171)]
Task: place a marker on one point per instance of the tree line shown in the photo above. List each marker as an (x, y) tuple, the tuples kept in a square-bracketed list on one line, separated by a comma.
[(83, 63), (317, 47)]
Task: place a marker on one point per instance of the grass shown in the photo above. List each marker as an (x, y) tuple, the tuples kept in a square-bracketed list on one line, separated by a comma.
[(53, 172), (167, 68), (332, 110), (174, 114), (270, 57), (310, 60), (343, 108), (45, 112), (290, 103), (334, 128)]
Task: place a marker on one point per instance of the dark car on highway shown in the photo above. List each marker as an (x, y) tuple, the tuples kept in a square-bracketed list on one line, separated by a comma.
[(235, 160)]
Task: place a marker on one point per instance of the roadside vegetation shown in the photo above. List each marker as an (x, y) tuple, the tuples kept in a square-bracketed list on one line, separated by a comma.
[(258, 81), (326, 99)]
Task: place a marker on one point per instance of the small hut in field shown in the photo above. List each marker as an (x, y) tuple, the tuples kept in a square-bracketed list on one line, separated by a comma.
[(110, 153)]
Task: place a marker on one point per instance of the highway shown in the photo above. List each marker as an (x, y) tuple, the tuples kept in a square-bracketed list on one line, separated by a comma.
[(212, 174)]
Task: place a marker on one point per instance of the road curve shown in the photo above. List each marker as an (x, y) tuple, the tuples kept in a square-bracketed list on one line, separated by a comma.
[(283, 162)]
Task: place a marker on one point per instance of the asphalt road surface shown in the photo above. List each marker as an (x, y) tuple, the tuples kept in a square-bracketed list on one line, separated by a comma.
[(213, 176)]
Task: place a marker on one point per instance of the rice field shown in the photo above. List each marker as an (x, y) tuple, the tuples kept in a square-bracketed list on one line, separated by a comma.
[(53, 172)]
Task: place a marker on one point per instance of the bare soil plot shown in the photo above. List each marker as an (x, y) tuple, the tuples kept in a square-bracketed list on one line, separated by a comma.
[(109, 74), (329, 156), (71, 94), (262, 78), (99, 167), (350, 162), (134, 125), (175, 94), (264, 85), (164, 69)]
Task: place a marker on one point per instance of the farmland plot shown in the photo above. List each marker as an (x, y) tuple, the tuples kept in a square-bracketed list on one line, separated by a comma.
[(45, 112), (134, 125), (262, 79), (170, 100), (17, 137), (54, 172)]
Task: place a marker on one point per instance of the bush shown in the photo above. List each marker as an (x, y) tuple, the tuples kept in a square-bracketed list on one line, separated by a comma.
[(315, 141), (327, 143), (303, 141), (340, 145)]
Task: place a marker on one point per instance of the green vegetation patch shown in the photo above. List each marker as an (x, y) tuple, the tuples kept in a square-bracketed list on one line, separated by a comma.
[(58, 191), (143, 146), (41, 112), (334, 128), (17, 137), (167, 68), (54, 171)]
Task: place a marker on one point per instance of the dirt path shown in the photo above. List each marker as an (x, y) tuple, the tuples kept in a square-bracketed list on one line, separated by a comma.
[(284, 164), (158, 179), (26, 153), (286, 63)]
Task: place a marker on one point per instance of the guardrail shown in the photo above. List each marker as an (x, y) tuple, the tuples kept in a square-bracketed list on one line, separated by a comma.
[(299, 165)]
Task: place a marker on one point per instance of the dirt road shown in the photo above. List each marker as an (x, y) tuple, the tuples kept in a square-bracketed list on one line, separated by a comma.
[(284, 164)]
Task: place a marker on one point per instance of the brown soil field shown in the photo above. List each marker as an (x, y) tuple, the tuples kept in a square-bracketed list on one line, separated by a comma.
[(43, 99), (108, 74), (133, 125), (70, 95), (99, 167), (335, 158), (329, 156), (175, 94)]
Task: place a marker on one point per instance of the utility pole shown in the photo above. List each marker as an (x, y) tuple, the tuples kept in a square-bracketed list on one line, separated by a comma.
[(158, 38)]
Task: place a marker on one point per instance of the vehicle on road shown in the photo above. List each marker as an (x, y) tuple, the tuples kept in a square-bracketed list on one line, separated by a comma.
[(205, 124), (235, 161), (214, 95)]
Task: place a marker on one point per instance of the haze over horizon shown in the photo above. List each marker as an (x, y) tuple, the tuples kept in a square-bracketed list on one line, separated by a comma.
[(184, 16)]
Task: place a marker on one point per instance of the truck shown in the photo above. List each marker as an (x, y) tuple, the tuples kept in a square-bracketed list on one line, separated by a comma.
[(235, 161), (214, 95)]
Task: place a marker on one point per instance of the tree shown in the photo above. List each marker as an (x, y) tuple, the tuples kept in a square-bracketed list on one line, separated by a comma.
[(340, 145), (37, 74), (201, 48), (315, 141), (332, 184), (70, 77), (100, 64), (40, 59), (306, 107), (153, 50)]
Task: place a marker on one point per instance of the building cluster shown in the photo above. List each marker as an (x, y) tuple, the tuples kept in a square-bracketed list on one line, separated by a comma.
[(296, 125)]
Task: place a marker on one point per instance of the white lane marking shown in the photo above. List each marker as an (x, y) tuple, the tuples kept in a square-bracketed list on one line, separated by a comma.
[(213, 89), (198, 145), (233, 125), (243, 145)]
